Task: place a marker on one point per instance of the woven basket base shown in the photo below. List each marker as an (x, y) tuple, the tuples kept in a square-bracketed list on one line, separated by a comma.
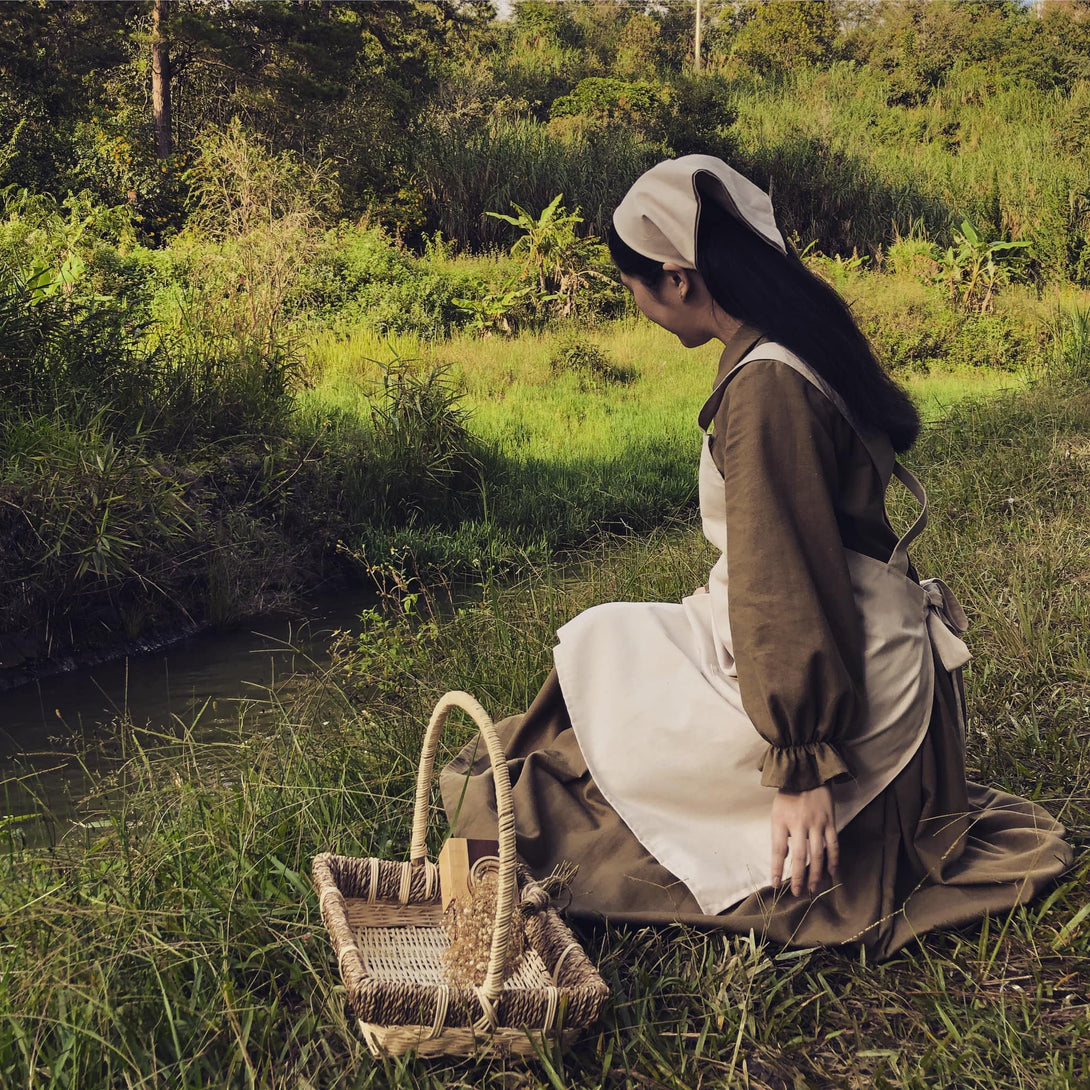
[(458, 1041)]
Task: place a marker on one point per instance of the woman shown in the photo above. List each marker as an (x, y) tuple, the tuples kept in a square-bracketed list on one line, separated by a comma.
[(801, 717)]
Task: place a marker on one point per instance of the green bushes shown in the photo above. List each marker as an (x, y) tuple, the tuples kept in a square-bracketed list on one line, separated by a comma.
[(1070, 348), (359, 275), (569, 275), (921, 338), (104, 538), (924, 307), (592, 364), (424, 452), (156, 472)]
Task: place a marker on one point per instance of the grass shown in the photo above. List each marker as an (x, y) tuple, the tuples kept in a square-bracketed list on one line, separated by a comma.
[(999, 157), (172, 940), (937, 393), (573, 453)]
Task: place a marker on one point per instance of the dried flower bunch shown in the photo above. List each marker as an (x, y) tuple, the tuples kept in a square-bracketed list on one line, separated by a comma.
[(470, 920)]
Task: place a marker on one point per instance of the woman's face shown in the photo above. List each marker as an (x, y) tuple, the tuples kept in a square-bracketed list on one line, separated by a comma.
[(679, 303)]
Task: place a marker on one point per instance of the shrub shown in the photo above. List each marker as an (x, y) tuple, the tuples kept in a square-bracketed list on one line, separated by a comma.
[(88, 249), (424, 456), (360, 274), (572, 273), (80, 356), (1069, 357), (914, 255), (593, 365), (605, 103), (921, 333), (699, 115), (91, 530)]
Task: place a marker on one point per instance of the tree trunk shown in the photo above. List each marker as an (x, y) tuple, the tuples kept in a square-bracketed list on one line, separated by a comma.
[(696, 38), (160, 80)]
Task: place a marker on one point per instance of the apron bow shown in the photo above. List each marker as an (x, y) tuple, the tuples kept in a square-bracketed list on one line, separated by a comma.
[(945, 619)]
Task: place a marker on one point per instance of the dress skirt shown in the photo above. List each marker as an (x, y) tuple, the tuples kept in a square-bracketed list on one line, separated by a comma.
[(932, 850)]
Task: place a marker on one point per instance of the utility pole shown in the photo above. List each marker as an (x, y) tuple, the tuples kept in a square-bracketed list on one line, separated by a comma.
[(696, 42)]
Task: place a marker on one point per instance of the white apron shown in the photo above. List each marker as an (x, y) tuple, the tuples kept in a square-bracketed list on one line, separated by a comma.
[(653, 696)]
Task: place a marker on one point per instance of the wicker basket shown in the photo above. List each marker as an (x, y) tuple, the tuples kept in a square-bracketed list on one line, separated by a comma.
[(386, 922)]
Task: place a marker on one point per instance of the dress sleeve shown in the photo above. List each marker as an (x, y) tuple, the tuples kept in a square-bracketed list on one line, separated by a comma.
[(797, 635)]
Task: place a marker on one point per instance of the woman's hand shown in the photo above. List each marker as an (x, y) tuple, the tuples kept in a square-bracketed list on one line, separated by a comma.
[(806, 818)]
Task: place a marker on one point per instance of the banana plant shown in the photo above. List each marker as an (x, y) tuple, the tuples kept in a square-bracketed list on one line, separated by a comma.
[(563, 263), (494, 312), (974, 268)]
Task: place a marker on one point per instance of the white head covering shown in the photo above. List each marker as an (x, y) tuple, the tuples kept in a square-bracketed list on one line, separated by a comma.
[(660, 214)]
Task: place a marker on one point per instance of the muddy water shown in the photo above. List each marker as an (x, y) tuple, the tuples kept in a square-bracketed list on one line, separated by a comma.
[(202, 680)]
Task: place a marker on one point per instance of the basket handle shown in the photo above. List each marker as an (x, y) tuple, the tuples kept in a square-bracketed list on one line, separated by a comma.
[(505, 901)]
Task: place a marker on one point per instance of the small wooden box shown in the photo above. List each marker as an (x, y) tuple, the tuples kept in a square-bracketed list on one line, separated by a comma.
[(456, 862)]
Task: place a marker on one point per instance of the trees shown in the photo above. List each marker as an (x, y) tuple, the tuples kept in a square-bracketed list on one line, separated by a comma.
[(52, 56), (778, 37), (331, 80)]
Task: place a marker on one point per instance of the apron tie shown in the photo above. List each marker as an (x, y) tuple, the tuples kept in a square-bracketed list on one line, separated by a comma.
[(945, 619)]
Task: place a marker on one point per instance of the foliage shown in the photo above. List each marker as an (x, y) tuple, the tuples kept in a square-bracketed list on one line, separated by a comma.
[(604, 103), (924, 336), (973, 269), (420, 435), (851, 172), (86, 516), (428, 113), (1070, 355), (462, 170), (117, 164), (78, 356), (499, 310), (689, 113), (255, 225), (592, 364), (775, 38), (359, 274), (569, 271), (838, 270), (91, 249), (335, 163), (52, 57), (700, 114)]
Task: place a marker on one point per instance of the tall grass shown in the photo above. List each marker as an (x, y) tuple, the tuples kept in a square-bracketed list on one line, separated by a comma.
[(847, 162), (851, 170), (1071, 345), (464, 172), (172, 940)]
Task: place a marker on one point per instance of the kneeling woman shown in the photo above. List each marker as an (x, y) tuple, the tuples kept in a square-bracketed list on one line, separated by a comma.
[(796, 726)]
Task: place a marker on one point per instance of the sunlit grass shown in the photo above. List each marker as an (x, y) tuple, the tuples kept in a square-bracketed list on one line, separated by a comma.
[(518, 402), (937, 392)]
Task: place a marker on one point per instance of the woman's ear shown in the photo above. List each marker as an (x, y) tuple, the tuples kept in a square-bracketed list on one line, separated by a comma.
[(679, 279)]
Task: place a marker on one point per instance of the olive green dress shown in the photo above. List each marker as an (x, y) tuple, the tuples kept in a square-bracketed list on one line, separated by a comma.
[(931, 850)]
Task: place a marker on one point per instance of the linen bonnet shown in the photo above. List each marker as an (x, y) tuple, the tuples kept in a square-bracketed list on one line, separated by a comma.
[(660, 214)]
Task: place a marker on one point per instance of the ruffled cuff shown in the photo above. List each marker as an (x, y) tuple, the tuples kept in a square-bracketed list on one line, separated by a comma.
[(802, 768)]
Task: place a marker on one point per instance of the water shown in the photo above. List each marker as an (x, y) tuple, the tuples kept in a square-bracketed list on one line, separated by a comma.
[(203, 680)]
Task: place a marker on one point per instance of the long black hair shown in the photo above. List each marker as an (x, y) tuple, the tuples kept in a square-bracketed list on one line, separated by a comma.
[(775, 293)]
